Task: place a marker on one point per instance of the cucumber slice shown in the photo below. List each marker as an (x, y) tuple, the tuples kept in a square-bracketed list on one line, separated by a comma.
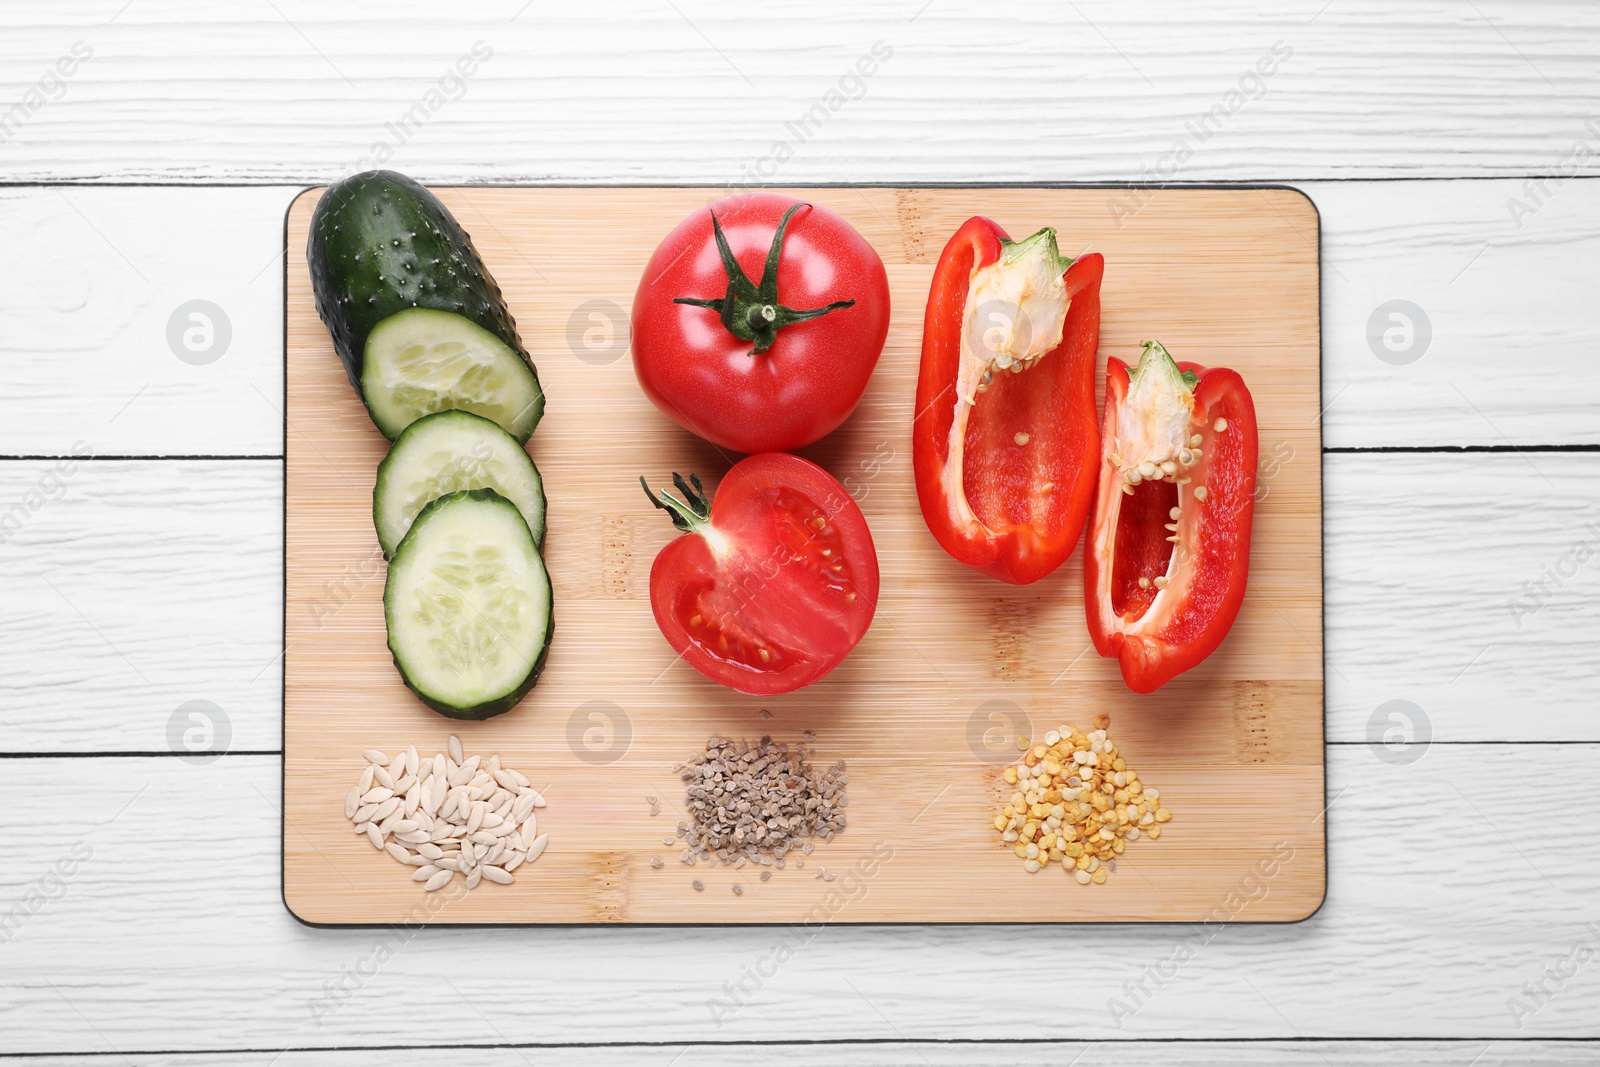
[(381, 245), (446, 452), (420, 361), (469, 606)]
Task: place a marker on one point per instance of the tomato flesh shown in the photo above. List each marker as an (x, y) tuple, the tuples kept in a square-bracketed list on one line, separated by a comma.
[(714, 622), (779, 588)]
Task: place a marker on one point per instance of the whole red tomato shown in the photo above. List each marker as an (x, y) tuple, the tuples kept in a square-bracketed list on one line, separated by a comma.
[(758, 322), (772, 583)]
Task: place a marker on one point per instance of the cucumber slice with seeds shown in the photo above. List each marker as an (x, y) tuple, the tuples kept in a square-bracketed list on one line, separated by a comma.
[(420, 361), (469, 606), (444, 453)]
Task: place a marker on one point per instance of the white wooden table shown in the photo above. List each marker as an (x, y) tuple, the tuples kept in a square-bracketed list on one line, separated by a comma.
[(1461, 472)]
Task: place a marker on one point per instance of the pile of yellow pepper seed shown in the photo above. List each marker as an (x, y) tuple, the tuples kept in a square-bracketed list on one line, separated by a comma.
[(1077, 803)]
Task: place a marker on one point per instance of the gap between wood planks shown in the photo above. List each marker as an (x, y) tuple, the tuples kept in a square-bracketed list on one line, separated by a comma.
[(547, 182), (1301, 1039)]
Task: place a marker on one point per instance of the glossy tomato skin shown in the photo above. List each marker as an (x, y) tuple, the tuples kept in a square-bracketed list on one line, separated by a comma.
[(766, 600), (811, 379)]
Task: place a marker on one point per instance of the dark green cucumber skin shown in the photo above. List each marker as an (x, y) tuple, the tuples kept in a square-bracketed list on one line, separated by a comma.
[(381, 243), (478, 712)]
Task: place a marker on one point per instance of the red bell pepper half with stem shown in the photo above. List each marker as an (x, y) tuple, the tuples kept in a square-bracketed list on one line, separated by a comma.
[(1169, 553), (1005, 442)]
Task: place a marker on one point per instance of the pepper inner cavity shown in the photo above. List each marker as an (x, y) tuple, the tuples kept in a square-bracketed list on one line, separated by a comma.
[(1143, 551)]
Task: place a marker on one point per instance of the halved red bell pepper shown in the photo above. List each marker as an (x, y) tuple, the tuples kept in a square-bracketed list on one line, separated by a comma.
[(1005, 443), (1169, 552)]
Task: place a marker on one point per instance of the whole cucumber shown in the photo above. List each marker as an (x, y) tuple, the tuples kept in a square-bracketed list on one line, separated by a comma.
[(381, 244)]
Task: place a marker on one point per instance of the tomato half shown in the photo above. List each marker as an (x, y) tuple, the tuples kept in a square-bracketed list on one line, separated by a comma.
[(768, 347), (773, 582)]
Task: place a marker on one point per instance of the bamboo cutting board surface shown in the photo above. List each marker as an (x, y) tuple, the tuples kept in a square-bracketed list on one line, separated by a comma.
[(926, 709)]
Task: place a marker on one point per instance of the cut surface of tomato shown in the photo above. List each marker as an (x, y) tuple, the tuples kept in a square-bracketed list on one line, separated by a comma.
[(773, 582)]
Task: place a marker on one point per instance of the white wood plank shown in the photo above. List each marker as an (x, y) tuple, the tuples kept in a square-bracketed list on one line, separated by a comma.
[(702, 91), (172, 935), (93, 280), (178, 565), (1426, 560), (134, 587), (932, 1054), (88, 356), (1512, 316)]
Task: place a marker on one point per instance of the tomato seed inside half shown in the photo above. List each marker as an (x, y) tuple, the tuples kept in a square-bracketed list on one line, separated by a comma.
[(749, 613)]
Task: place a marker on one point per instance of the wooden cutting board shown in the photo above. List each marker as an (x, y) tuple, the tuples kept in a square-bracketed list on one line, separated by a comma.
[(956, 664)]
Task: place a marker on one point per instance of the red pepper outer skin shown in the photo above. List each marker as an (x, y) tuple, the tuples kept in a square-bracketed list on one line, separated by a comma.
[(1219, 557), (1053, 401)]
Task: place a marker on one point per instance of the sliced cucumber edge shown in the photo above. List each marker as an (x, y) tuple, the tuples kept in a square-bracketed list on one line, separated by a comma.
[(488, 427), (499, 705)]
